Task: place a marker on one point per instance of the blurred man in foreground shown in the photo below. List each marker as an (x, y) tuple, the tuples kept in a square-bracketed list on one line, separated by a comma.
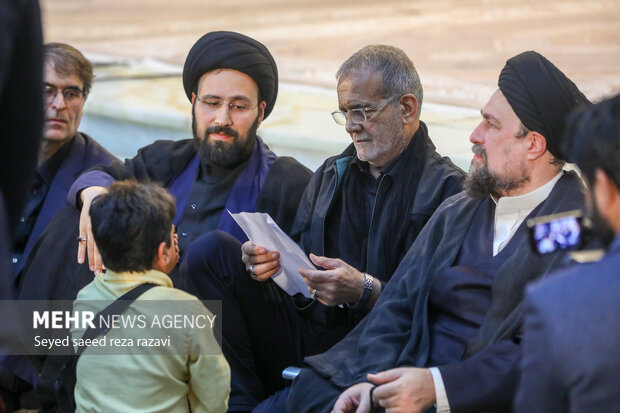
[(572, 319)]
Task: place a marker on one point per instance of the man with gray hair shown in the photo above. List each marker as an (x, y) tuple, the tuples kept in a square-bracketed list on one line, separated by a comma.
[(358, 216)]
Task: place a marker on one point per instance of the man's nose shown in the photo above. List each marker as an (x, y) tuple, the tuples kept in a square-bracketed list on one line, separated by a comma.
[(59, 101), (352, 127), (476, 135), (222, 116)]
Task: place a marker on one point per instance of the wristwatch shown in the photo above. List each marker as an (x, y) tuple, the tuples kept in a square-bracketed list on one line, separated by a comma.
[(367, 291)]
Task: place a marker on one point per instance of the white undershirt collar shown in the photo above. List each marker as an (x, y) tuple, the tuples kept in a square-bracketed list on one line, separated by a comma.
[(510, 211)]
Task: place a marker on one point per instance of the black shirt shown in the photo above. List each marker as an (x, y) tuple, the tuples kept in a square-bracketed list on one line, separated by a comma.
[(352, 213), (39, 187), (206, 201)]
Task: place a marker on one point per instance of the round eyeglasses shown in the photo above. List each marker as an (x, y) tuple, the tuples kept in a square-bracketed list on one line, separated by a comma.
[(73, 96), (357, 116)]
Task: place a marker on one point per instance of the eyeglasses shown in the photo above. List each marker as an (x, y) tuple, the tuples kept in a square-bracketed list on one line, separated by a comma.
[(237, 108), (357, 116), (72, 95)]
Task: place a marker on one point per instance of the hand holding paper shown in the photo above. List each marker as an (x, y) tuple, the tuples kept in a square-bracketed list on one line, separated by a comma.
[(261, 262), (262, 230)]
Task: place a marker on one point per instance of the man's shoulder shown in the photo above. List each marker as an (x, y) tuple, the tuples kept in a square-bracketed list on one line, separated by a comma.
[(286, 174), (94, 150), (91, 291), (166, 147), (168, 293), (347, 155), (165, 157), (287, 164), (441, 171), (576, 287)]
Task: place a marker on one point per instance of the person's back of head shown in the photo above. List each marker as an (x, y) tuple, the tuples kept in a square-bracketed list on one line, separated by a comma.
[(593, 142), (593, 139), (131, 223)]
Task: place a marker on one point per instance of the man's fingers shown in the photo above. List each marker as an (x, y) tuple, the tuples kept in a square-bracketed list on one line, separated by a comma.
[(81, 252), (249, 256), (325, 262), (265, 271), (385, 376), (315, 276), (84, 230), (91, 255), (343, 405), (385, 391), (390, 404), (251, 249), (339, 406), (263, 258), (98, 261), (364, 406), (267, 275)]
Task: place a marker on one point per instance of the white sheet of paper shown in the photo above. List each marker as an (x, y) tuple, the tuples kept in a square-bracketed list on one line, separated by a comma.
[(262, 230)]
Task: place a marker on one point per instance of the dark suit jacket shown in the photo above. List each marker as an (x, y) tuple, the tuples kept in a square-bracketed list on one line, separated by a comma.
[(571, 344), (84, 153), (31, 281)]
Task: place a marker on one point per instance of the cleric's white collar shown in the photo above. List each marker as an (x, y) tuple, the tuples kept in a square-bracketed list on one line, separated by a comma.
[(510, 211)]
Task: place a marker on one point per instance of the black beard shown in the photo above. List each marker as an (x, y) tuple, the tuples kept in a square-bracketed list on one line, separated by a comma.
[(482, 182), (223, 154)]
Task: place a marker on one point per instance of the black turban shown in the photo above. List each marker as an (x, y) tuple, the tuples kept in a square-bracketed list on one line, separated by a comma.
[(541, 96), (229, 50)]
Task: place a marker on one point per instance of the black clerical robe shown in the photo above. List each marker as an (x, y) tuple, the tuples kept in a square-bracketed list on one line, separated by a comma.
[(163, 161), (396, 333)]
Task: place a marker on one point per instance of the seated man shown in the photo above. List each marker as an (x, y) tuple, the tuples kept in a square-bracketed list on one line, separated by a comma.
[(365, 207), (232, 82), (571, 329), (453, 303), (65, 153), (132, 225)]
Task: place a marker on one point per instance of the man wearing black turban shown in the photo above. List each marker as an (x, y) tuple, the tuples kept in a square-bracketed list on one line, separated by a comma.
[(445, 330), (232, 82)]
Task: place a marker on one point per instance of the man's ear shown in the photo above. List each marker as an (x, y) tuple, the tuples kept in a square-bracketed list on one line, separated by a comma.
[(261, 112), (409, 108), (537, 145), (193, 97), (161, 258)]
